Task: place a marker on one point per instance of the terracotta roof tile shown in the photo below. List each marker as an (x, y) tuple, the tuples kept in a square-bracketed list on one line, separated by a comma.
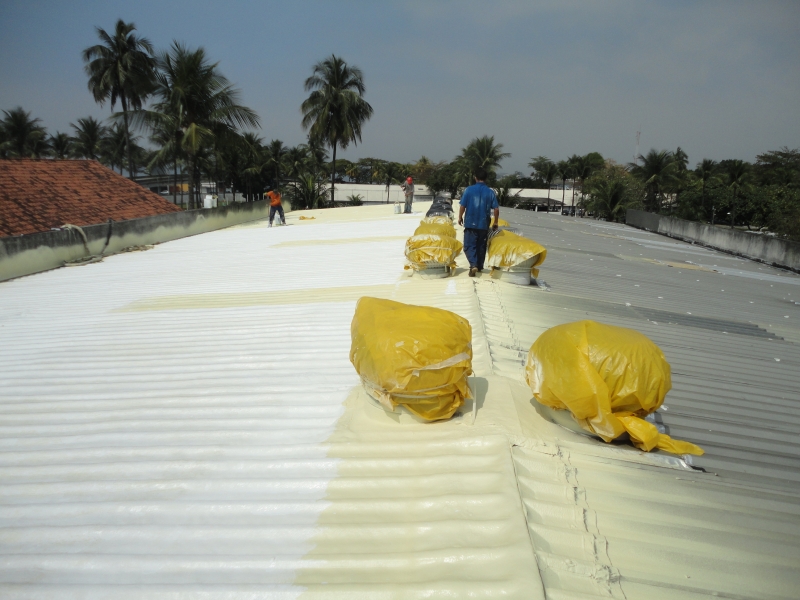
[(37, 195)]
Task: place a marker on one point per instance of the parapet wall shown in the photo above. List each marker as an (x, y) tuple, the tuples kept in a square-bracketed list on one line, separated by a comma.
[(36, 252), (774, 251)]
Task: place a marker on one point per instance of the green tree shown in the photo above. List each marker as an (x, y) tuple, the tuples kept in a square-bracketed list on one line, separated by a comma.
[(270, 162), (296, 161), (546, 170), (738, 174), (60, 145), (121, 67), (114, 147), (201, 103), (335, 111), (22, 136), (307, 192), (482, 152), (389, 173), (503, 192), (611, 192), (657, 172), (564, 172), (779, 167), (705, 171), (88, 138)]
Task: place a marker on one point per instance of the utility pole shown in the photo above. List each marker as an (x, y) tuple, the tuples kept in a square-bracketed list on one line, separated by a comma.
[(636, 156)]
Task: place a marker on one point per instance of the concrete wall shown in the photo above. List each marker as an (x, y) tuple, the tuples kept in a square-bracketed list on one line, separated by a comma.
[(781, 253), (373, 193), (36, 252)]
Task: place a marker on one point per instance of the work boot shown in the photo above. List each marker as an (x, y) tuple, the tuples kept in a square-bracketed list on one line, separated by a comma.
[(270, 225), (473, 271)]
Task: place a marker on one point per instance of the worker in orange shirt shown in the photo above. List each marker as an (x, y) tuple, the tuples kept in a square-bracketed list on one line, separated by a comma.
[(275, 206)]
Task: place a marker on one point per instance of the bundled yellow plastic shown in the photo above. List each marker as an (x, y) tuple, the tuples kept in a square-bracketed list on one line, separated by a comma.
[(503, 223), (441, 219), (414, 356), (608, 377), (424, 250), (507, 250), (436, 229)]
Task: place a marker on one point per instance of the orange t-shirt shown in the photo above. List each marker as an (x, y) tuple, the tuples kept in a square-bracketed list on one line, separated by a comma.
[(274, 198)]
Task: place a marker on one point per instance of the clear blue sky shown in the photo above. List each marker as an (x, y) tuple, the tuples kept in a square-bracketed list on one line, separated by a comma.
[(721, 79)]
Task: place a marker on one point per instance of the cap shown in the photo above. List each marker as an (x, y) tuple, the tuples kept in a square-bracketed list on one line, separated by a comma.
[(409, 179)]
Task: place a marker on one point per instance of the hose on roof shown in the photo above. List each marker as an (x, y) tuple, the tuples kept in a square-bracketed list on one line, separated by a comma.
[(94, 258)]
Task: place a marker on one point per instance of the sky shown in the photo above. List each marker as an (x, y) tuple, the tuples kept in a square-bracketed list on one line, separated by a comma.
[(720, 79)]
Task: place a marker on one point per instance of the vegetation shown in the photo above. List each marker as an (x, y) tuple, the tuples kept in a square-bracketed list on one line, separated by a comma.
[(335, 111), (190, 117), (121, 68)]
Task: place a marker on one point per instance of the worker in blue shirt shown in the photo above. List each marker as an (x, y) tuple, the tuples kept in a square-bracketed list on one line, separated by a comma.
[(477, 201)]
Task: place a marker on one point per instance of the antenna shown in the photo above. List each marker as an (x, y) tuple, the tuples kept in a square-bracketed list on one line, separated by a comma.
[(636, 156)]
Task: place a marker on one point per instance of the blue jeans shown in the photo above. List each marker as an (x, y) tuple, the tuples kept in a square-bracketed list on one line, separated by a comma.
[(279, 210), (475, 241), (409, 202)]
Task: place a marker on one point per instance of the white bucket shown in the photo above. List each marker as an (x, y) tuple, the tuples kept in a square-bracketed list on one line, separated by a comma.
[(397, 208)]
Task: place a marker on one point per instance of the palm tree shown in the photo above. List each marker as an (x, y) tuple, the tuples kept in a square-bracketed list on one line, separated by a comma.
[(335, 111), (89, 135), (21, 135), (390, 172), (295, 161), (657, 171), (564, 172), (705, 171), (546, 170), (608, 198), (483, 152), (306, 192), (738, 173), (167, 134), (201, 104), (115, 148), (271, 161), (60, 145), (121, 68)]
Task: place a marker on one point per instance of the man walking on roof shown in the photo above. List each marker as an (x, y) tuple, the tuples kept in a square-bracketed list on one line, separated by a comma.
[(408, 190), (275, 206), (477, 201)]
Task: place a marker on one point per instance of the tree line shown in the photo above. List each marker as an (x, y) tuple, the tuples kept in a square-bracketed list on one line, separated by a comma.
[(196, 127), (194, 121)]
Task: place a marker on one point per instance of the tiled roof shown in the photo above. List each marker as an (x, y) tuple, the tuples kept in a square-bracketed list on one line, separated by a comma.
[(37, 195)]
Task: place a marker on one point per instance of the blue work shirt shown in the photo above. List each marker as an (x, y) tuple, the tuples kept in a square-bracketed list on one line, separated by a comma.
[(479, 201)]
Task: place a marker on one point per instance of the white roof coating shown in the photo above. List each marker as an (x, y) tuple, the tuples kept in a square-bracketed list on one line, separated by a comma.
[(185, 423)]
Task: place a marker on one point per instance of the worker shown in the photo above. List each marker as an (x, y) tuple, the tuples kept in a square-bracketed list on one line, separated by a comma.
[(275, 206), (477, 201), (408, 190)]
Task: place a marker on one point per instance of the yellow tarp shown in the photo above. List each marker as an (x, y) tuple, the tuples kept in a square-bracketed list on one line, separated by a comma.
[(508, 250), (436, 229), (415, 356), (423, 250), (441, 219), (608, 377), (503, 223)]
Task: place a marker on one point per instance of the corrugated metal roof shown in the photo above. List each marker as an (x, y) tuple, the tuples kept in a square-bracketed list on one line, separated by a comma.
[(184, 422), (731, 532)]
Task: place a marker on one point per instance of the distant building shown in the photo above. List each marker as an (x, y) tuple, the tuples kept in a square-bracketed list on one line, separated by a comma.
[(39, 195)]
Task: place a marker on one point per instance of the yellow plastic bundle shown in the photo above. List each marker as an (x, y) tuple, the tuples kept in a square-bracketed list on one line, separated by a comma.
[(507, 250), (441, 219), (503, 223), (426, 249), (414, 356), (608, 377), (436, 229)]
